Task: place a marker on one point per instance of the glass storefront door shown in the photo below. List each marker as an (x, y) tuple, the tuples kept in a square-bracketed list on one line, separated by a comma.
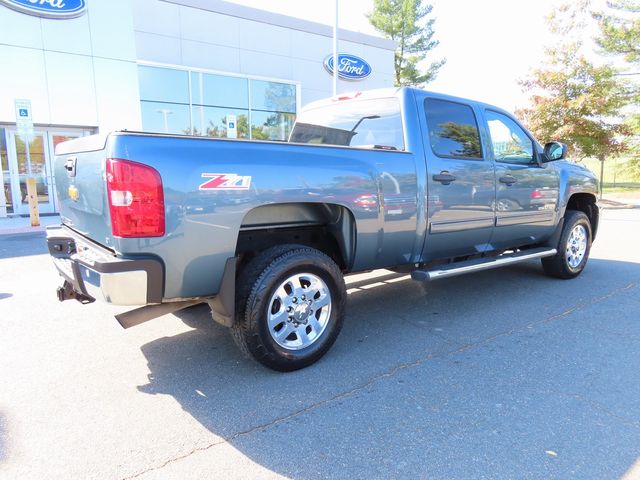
[(31, 162), (6, 196), (20, 163)]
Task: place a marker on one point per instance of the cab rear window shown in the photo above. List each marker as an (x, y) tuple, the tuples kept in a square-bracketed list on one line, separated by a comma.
[(375, 124)]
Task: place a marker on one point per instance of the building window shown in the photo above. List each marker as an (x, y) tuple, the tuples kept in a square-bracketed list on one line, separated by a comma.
[(165, 117), (163, 85), (218, 90), (273, 107), (198, 103), (271, 125)]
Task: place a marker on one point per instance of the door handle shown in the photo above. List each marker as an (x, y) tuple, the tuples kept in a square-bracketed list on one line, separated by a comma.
[(508, 179), (444, 177), (70, 166)]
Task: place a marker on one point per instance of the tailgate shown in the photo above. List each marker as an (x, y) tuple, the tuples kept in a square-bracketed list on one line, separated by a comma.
[(81, 187)]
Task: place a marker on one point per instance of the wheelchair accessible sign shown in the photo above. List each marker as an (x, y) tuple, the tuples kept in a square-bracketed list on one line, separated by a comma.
[(24, 120)]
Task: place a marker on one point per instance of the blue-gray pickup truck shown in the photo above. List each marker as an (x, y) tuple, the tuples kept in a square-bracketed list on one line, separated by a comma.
[(263, 232)]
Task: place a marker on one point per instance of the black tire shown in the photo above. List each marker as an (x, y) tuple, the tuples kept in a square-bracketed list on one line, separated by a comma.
[(558, 266), (256, 289)]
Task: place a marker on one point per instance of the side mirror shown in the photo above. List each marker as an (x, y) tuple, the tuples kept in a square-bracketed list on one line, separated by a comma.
[(554, 151)]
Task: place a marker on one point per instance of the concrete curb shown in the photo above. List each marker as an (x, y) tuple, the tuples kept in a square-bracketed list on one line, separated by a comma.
[(11, 231), (17, 225), (615, 204)]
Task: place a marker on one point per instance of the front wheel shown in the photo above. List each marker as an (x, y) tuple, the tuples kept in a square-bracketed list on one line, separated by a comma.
[(290, 307), (573, 248)]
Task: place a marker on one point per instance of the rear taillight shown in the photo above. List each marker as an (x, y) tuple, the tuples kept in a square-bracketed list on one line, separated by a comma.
[(136, 201), (536, 194), (366, 201)]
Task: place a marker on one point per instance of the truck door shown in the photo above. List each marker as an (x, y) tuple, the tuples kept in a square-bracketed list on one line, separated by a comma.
[(526, 190), (460, 181)]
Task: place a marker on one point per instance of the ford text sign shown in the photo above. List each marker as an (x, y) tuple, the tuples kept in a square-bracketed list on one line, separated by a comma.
[(350, 67), (48, 8)]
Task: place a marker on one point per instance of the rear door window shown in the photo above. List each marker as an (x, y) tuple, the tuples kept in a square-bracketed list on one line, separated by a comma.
[(453, 129), (375, 123)]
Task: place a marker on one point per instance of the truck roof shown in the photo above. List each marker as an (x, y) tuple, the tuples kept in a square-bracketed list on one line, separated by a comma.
[(391, 92)]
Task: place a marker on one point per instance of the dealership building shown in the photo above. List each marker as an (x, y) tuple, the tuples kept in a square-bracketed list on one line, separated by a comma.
[(201, 67)]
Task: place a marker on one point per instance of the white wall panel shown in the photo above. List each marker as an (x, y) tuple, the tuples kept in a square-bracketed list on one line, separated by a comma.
[(23, 76), (118, 96), (310, 46), (209, 27), (111, 26), (310, 95), (152, 16), (382, 80), (158, 48), (72, 96), (352, 48), (312, 74), (70, 35), (257, 63), (19, 29), (261, 37), (212, 57)]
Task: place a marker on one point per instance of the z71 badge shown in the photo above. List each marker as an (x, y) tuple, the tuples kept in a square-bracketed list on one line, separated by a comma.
[(225, 181)]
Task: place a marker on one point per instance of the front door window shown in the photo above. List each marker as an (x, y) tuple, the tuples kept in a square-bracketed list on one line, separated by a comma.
[(510, 143)]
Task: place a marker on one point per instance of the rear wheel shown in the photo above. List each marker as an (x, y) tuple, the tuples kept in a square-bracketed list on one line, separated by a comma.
[(290, 307), (573, 248)]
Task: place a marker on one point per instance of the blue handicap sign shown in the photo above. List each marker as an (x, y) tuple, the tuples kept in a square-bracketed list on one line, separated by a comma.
[(232, 125), (23, 112)]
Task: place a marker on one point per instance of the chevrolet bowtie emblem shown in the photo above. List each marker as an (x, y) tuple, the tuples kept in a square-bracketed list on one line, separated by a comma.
[(74, 193)]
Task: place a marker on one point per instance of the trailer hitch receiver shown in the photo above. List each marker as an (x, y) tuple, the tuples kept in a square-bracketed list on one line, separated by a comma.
[(67, 292)]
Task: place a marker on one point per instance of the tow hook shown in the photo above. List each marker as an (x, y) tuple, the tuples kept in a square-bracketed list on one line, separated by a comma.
[(66, 292)]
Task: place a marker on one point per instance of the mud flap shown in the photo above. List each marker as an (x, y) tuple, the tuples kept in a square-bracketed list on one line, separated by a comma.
[(223, 305)]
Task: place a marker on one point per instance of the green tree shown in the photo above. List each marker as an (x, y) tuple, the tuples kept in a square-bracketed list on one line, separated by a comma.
[(406, 22), (577, 102), (572, 99), (465, 135), (620, 36)]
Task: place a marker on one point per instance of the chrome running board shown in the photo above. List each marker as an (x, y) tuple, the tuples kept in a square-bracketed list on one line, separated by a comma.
[(476, 265)]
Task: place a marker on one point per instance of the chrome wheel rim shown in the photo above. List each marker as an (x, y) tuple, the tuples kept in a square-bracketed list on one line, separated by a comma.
[(576, 246), (502, 206), (299, 311)]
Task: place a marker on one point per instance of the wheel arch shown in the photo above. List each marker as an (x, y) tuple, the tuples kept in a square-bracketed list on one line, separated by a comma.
[(328, 227), (586, 203)]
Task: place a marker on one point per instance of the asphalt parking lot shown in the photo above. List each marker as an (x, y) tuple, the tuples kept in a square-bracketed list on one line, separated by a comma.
[(501, 374)]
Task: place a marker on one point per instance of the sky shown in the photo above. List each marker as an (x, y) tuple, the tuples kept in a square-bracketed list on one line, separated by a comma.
[(489, 45)]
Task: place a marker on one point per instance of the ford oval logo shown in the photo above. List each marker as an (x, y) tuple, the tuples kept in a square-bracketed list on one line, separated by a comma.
[(48, 8), (350, 67)]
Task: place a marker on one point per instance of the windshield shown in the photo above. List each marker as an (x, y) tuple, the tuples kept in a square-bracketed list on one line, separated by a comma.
[(372, 123)]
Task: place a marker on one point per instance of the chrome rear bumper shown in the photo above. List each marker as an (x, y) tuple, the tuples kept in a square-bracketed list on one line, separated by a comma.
[(92, 272)]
